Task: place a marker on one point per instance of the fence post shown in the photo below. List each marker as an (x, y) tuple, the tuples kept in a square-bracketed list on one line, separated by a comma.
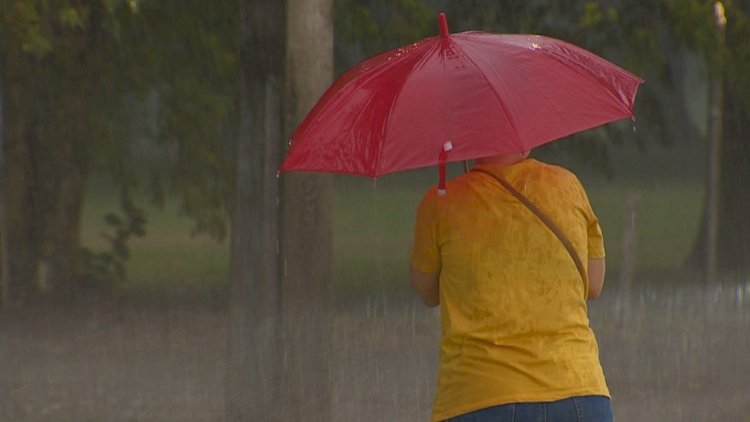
[(629, 241), (4, 261)]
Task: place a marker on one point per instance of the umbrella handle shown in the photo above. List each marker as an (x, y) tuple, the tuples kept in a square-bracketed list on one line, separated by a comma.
[(442, 158)]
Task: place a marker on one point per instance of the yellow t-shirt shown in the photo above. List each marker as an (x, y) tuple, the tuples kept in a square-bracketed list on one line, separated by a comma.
[(514, 319)]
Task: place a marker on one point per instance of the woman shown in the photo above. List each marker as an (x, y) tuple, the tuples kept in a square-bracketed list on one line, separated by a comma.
[(515, 338)]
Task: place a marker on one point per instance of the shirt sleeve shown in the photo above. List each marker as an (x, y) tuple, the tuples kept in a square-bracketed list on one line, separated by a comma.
[(425, 255), (595, 238)]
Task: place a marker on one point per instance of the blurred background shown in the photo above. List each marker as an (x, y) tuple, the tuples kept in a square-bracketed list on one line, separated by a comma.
[(156, 268)]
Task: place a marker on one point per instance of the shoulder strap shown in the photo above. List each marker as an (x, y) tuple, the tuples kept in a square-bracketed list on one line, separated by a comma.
[(545, 219)]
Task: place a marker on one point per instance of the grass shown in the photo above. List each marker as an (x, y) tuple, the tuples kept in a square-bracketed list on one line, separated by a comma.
[(373, 229), (668, 188), (168, 262), (373, 223), (667, 223)]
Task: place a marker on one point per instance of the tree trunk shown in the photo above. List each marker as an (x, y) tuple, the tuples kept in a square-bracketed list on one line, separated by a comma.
[(44, 171), (44, 189), (734, 204), (4, 262), (306, 229), (19, 213), (733, 231), (57, 266), (253, 361)]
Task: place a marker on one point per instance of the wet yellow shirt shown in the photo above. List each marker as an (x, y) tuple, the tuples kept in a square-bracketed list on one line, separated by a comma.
[(513, 306)]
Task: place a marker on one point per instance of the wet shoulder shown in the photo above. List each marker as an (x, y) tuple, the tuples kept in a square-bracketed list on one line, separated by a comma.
[(556, 184), (551, 170)]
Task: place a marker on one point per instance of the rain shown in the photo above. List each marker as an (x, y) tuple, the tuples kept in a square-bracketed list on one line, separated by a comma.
[(157, 265)]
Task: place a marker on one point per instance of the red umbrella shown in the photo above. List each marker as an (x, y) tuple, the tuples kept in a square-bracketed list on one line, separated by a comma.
[(484, 93)]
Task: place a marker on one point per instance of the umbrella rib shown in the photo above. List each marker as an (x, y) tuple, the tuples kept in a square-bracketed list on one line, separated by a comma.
[(503, 105), (395, 102), (605, 82)]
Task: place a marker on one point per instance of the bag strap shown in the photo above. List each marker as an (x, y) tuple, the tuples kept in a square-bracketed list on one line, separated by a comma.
[(545, 219)]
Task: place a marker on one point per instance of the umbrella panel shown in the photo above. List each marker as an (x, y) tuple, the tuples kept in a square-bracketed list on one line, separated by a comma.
[(486, 93)]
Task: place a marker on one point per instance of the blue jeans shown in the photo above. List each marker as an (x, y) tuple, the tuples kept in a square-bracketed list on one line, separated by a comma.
[(574, 409)]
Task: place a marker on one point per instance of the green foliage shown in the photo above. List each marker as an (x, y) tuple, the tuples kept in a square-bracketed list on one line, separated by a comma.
[(738, 49), (365, 27), (79, 70), (141, 91), (37, 27), (195, 78), (596, 14), (107, 268), (71, 18), (63, 77)]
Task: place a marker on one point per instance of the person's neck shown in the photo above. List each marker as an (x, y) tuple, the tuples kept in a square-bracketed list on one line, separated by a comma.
[(502, 159)]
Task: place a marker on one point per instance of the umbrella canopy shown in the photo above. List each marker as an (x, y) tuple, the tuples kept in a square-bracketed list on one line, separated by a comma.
[(486, 94)]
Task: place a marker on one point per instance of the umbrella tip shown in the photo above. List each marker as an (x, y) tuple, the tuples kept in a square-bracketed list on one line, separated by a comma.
[(443, 23)]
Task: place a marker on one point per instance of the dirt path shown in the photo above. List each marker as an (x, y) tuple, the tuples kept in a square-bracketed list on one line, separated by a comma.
[(104, 364), (667, 358)]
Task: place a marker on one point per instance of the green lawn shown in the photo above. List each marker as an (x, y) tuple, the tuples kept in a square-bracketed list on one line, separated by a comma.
[(373, 228), (667, 223), (168, 261)]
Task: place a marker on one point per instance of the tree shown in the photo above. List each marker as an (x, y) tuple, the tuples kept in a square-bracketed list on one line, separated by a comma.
[(734, 203), (75, 74), (59, 91), (307, 237), (655, 36), (366, 27), (253, 370), (286, 63)]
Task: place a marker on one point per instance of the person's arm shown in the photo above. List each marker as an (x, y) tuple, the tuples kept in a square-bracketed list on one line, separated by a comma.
[(597, 268), (426, 286)]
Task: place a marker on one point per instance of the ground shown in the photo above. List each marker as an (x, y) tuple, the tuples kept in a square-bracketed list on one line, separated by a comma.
[(669, 355)]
